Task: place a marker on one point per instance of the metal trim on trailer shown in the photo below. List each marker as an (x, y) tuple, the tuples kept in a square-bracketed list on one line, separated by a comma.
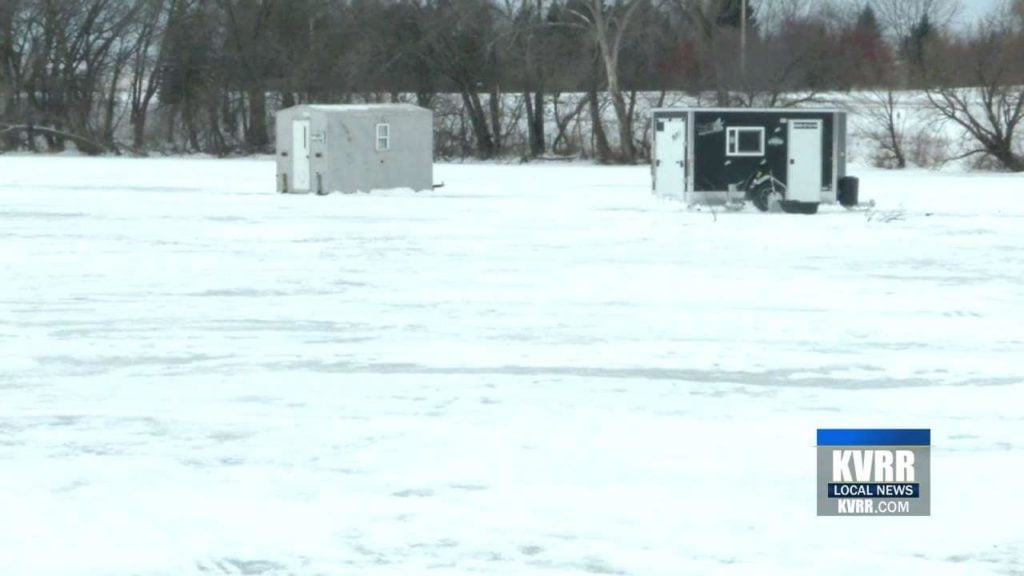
[(835, 158), (669, 112), (688, 181), (772, 110)]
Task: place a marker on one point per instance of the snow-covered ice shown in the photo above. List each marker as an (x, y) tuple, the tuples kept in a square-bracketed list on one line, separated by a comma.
[(536, 369)]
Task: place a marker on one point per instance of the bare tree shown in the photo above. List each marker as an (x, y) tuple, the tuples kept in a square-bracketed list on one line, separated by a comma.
[(251, 50), (562, 121), (883, 111), (62, 65), (527, 48), (789, 67), (982, 91), (145, 73), (899, 17), (774, 15), (601, 147), (608, 26), (191, 52), (458, 46), (722, 44), (701, 15), (10, 65)]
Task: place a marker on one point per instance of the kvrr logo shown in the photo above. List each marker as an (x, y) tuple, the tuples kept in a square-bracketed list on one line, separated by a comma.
[(872, 465), (874, 471)]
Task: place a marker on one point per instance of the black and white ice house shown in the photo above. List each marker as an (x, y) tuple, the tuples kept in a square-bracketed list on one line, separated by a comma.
[(793, 157)]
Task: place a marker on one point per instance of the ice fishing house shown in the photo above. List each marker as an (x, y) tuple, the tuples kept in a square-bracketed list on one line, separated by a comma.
[(351, 148), (793, 157)]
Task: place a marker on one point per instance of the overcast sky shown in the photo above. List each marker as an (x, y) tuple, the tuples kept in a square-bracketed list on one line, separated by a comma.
[(970, 10), (974, 9)]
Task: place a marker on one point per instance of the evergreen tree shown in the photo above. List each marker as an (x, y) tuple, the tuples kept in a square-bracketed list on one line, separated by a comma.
[(915, 46), (867, 22), (864, 46), (729, 12)]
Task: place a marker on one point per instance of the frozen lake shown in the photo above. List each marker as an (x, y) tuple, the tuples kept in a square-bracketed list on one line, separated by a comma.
[(536, 369)]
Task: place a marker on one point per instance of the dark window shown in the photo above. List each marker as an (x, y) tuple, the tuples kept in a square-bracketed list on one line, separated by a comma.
[(744, 141), (750, 141), (383, 137)]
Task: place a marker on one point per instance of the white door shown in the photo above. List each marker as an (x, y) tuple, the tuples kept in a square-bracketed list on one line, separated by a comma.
[(670, 157), (803, 177), (300, 155)]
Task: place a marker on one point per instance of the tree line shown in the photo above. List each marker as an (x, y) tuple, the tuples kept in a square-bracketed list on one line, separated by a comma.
[(507, 77)]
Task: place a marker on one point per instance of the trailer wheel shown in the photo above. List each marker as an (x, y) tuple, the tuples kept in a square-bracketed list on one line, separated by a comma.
[(759, 198), (763, 195)]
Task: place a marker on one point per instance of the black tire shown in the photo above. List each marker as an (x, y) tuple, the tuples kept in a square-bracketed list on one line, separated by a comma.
[(794, 207), (761, 197)]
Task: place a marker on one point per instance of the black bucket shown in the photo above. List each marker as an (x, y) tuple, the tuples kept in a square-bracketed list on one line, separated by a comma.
[(848, 190)]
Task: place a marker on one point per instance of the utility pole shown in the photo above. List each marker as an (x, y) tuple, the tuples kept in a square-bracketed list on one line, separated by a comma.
[(743, 42)]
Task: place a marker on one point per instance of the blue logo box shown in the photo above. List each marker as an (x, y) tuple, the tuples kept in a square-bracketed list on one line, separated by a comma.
[(874, 437)]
